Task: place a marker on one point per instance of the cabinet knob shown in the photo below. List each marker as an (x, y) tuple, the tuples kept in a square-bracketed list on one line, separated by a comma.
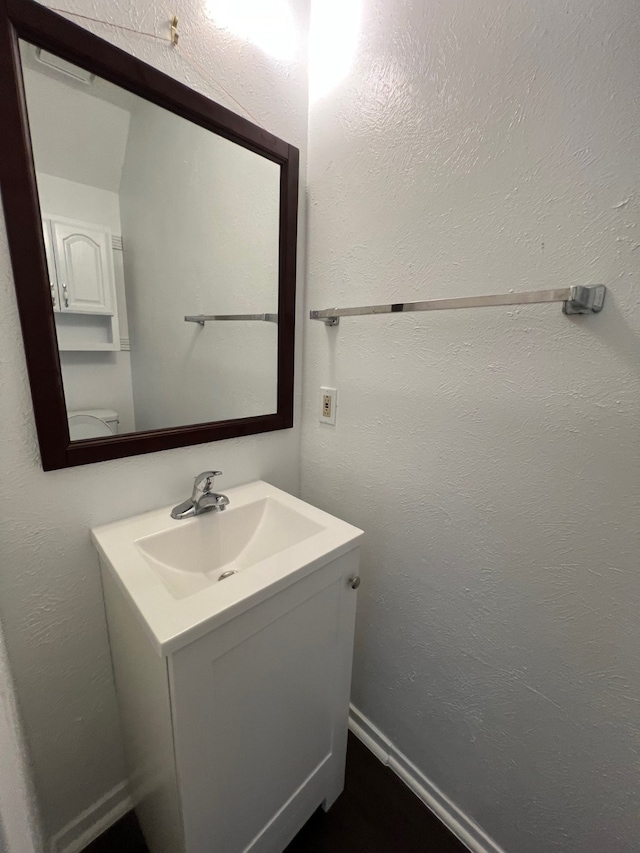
[(354, 582)]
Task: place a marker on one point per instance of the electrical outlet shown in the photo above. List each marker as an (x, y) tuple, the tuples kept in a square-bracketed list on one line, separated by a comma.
[(328, 400)]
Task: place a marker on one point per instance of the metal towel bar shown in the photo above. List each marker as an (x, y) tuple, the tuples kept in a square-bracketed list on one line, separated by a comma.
[(577, 300), (201, 319)]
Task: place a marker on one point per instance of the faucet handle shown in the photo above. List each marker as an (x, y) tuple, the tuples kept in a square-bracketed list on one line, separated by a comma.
[(203, 483)]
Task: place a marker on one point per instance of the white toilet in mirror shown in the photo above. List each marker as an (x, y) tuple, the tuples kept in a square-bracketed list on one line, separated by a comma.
[(92, 423)]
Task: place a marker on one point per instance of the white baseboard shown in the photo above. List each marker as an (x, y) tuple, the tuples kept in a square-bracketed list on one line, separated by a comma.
[(460, 824), (90, 823)]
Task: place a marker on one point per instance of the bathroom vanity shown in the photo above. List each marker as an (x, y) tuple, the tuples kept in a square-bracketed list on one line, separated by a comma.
[(233, 693)]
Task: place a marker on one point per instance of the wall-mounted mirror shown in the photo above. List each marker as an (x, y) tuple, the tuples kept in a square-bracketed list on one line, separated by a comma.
[(152, 235)]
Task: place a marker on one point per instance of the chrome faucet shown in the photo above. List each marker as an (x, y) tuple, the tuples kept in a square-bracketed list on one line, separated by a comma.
[(202, 499)]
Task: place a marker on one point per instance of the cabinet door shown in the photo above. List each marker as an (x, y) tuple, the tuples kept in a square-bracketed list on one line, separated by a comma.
[(85, 267), (51, 265), (260, 716)]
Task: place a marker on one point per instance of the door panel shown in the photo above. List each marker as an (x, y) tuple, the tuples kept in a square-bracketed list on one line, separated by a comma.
[(85, 268), (255, 723)]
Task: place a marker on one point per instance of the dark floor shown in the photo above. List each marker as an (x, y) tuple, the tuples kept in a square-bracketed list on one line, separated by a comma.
[(376, 813)]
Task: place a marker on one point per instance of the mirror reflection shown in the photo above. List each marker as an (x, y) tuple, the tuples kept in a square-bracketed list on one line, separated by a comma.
[(149, 219)]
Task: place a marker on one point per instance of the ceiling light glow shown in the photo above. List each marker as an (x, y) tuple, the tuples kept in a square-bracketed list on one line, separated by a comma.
[(269, 24), (333, 41)]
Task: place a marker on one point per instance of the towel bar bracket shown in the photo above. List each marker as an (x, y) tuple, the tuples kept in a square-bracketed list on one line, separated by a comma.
[(585, 300)]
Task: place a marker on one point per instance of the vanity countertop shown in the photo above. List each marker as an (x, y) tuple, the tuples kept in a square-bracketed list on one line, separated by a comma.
[(265, 540)]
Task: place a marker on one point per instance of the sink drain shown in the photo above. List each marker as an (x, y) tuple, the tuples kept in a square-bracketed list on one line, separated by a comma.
[(227, 574)]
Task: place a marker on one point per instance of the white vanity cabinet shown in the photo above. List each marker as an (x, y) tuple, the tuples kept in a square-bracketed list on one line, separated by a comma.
[(234, 740), (82, 281), (236, 734)]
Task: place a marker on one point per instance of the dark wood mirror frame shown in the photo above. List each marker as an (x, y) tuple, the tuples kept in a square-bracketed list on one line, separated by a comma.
[(28, 20)]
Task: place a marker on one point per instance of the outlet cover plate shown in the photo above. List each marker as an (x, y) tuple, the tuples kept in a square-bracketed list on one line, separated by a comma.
[(328, 402)]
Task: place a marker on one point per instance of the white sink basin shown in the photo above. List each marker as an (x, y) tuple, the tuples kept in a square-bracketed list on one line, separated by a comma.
[(170, 569), (195, 553)]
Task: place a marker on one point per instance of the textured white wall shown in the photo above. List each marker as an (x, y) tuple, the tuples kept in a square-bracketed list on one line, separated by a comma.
[(50, 595), (491, 456), (201, 237), (19, 830)]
